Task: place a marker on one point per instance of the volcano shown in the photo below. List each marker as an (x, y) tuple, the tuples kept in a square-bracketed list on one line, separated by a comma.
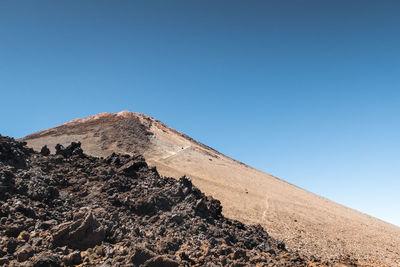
[(306, 222)]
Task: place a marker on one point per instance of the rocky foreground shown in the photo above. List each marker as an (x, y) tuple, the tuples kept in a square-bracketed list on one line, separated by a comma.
[(72, 209)]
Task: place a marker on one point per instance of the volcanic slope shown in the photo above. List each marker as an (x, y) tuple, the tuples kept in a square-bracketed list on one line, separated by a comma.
[(72, 209), (306, 222)]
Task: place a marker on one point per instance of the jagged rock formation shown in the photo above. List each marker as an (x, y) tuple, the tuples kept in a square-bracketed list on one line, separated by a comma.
[(71, 208)]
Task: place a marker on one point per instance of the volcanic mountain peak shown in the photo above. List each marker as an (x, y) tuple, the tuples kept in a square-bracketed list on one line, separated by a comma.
[(98, 118), (123, 132), (91, 118), (123, 114), (306, 222)]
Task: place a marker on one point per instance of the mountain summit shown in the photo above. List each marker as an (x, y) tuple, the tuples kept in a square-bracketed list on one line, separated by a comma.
[(306, 222)]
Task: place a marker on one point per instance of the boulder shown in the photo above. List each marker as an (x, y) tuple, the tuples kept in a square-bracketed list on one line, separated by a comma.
[(45, 151), (130, 168), (73, 149), (81, 233), (24, 253), (47, 260), (141, 255), (161, 261), (73, 258), (4, 261)]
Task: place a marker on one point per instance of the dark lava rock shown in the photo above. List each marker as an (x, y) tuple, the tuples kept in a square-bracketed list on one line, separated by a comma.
[(73, 149), (4, 261), (47, 260), (24, 253), (72, 259), (11, 245), (141, 255), (161, 261), (70, 208), (13, 153), (83, 232), (45, 151), (7, 182), (133, 166)]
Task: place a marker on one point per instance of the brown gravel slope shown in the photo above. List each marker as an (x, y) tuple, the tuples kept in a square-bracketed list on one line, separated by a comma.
[(306, 222)]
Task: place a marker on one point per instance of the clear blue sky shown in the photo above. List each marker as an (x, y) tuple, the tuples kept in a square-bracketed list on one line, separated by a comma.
[(306, 90)]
